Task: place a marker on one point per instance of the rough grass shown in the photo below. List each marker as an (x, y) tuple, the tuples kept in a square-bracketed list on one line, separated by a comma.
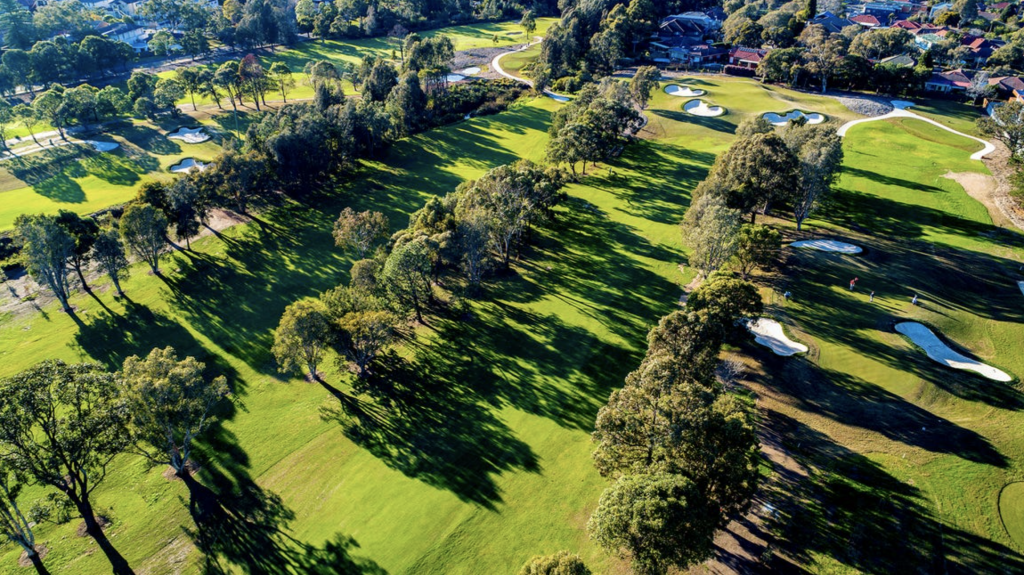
[(79, 179), (907, 459)]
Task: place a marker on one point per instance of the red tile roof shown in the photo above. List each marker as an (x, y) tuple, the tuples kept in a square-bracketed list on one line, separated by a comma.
[(866, 20)]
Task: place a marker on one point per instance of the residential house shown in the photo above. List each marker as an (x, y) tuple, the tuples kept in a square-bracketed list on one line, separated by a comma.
[(689, 24), (868, 21), (949, 81), (832, 23), (680, 50), (1008, 87), (900, 61), (907, 25), (746, 57)]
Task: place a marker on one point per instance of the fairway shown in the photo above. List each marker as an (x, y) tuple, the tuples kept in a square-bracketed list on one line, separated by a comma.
[(501, 469)]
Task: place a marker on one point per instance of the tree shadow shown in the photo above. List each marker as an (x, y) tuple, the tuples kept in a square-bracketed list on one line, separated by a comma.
[(430, 427), (716, 124), (852, 510)]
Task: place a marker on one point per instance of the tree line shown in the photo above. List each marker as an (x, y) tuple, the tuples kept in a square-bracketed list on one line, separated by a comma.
[(792, 168), (450, 246), (682, 451), (62, 425)]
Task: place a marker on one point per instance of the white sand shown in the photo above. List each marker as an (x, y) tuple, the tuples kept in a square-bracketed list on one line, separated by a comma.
[(685, 91), (701, 108), (1021, 286), (768, 333), (471, 71), (103, 146), (189, 136), (828, 246), (782, 120), (557, 97), (187, 165), (940, 352), (901, 104), (454, 77)]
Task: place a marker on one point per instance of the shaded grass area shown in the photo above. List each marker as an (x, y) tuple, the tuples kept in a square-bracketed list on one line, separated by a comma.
[(77, 178), (896, 443), (489, 462)]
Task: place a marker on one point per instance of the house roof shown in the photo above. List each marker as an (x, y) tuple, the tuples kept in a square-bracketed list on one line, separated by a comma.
[(959, 78), (748, 54), (831, 22), (866, 20), (906, 25), (1007, 84), (902, 60)]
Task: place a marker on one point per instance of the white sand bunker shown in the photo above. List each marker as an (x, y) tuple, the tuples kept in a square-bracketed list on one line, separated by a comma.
[(782, 120), (685, 91), (454, 78), (701, 108), (557, 97), (471, 71), (1021, 286), (940, 352), (828, 246), (187, 165), (901, 104), (103, 146), (190, 135), (768, 333)]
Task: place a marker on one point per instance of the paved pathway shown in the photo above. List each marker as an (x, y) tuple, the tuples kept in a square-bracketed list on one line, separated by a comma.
[(496, 66), (901, 111)]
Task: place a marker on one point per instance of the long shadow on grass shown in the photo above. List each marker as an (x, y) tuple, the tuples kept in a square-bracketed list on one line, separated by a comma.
[(852, 510), (658, 179), (430, 426), (947, 281), (852, 401), (716, 124), (241, 527)]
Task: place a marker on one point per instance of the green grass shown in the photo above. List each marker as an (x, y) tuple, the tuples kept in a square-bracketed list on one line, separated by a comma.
[(953, 114), (1011, 508), (514, 63), (895, 443), (351, 52), (899, 443), (80, 179)]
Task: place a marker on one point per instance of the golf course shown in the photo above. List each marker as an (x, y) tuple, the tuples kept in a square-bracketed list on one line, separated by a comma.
[(877, 459)]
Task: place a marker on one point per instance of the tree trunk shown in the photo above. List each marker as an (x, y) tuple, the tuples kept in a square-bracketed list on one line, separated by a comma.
[(193, 95), (117, 562), (81, 277), (117, 284), (37, 562)]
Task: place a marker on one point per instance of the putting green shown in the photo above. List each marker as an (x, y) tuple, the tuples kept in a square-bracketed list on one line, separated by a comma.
[(1011, 509)]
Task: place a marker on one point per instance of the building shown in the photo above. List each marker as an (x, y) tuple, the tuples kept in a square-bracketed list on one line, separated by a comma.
[(901, 61), (689, 24), (680, 50), (832, 23), (868, 21), (949, 81), (746, 57), (939, 9)]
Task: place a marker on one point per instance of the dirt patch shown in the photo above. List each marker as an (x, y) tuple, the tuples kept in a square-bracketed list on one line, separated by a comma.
[(984, 188), (688, 288), (81, 530), (41, 551), (998, 163)]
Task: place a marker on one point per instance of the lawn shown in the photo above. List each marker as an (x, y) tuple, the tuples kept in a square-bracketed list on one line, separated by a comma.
[(351, 52), (79, 179), (896, 443), (509, 475), (495, 467)]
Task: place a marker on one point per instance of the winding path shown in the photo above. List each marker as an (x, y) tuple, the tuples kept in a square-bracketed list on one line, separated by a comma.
[(901, 111), (496, 66)]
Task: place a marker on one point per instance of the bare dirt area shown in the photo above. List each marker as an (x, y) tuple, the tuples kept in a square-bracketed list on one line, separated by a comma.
[(996, 193), (41, 551), (481, 58)]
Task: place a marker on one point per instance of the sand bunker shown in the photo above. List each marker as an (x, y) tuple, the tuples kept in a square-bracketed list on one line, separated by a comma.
[(701, 108), (768, 333), (901, 104), (685, 91), (190, 135), (557, 97), (103, 146), (940, 352), (471, 71), (1021, 286), (454, 78), (782, 120), (187, 165), (828, 246)]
